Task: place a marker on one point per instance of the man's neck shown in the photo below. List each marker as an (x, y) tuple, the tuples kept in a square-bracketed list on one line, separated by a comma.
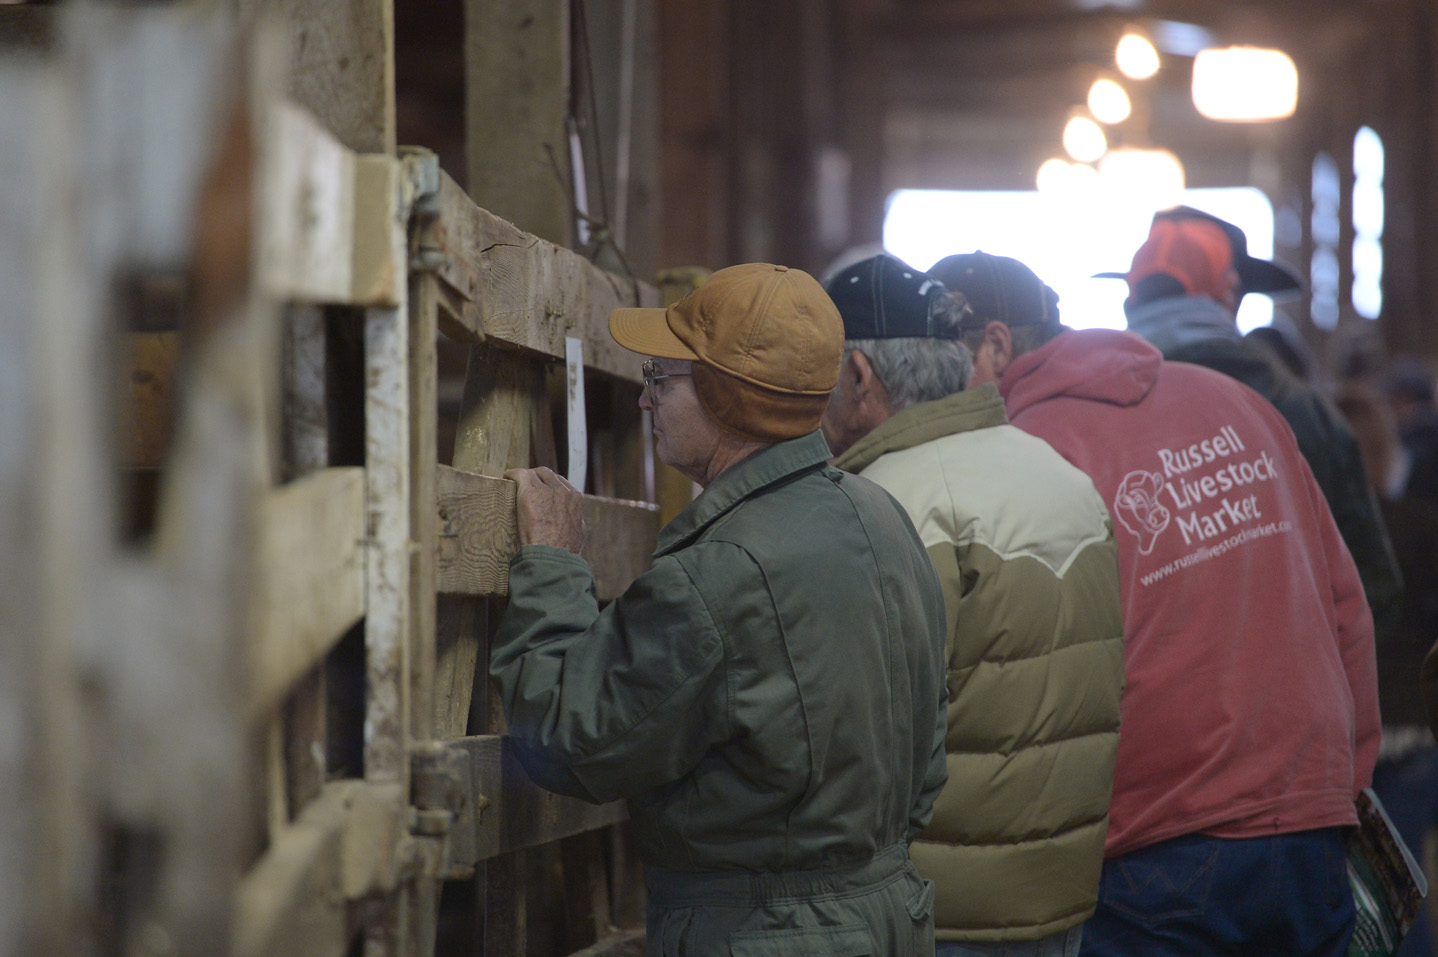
[(728, 452)]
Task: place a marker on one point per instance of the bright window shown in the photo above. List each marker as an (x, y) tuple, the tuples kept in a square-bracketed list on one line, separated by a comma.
[(1065, 240), (1367, 223)]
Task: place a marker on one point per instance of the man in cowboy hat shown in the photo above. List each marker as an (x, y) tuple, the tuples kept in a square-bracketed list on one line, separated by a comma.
[(1185, 284), (770, 695)]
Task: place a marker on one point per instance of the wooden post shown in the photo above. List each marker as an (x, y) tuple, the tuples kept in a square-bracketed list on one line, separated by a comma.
[(45, 833), (517, 98), (341, 65), (306, 450), (424, 405), (494, 434), (388, 458)]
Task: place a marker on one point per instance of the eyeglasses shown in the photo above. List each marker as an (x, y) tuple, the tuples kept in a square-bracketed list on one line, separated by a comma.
[(651, 375)]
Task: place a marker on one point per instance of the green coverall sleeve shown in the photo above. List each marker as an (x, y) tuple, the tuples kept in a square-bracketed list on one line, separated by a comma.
[(604, 705), (936, 774)]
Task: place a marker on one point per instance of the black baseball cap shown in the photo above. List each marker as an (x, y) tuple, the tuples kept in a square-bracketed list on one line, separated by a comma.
[(885, 298), (998, 288)]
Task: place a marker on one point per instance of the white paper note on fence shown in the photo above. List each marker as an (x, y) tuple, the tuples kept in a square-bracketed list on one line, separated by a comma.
[(578, 426)]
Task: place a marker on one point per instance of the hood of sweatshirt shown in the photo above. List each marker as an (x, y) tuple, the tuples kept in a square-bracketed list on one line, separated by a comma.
[(1102, 365), (1179, 321)]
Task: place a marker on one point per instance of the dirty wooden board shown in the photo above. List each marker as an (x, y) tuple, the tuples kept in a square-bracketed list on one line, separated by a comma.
[(309, 577), (341, 65), (48, 531), (387, 519), (294, 901), (518, 812), (477, 536), (305, 449), (326, 216), (516, 143), (423, 331), (526, 292)]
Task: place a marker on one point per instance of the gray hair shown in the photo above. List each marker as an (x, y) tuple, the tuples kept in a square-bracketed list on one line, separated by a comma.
[(918, 370), (1026, 337)]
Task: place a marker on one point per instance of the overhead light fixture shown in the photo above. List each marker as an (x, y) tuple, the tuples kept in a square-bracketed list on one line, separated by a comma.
[(1136, 57), (1244, 84), (1108, 102), (1059, 177), (1084, 139), (1149, 178)]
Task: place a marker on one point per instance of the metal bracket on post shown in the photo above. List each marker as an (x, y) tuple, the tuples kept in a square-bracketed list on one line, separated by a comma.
[(421, 171), (438, 776)]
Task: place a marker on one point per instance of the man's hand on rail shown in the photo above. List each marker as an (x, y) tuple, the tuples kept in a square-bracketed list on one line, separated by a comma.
[(549, 509)]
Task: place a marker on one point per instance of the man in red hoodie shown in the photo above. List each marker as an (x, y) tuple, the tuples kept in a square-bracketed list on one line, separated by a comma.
[(1250, 715)]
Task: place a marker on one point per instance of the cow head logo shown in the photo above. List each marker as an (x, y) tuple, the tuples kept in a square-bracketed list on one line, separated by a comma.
[(1137, 508)]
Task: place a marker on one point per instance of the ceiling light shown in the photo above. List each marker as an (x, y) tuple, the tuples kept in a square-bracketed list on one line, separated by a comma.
[(1053, 176), (1136, 57), (1244, 84), (1059, 177), (1148, 178), (1084, 139), (1108, 102)]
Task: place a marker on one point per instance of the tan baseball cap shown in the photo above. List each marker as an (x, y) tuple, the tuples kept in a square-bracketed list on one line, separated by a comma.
[(765, 341)]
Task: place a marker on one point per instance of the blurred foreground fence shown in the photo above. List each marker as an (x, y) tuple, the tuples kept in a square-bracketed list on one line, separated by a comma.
[(245, 609)]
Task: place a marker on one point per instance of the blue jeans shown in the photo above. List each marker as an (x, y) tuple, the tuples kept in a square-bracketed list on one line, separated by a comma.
[(1065, 944), (1408, 789), (1196, 895)]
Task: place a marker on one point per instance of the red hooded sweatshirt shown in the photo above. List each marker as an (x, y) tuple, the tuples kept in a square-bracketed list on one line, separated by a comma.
[(1251, 703)]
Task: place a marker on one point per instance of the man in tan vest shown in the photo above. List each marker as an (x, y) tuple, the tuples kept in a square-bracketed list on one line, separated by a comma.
[(1025, 553)]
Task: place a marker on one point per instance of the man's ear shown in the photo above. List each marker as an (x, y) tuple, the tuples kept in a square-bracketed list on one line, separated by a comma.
[(1000, 341), (865, 382), (859, 373)]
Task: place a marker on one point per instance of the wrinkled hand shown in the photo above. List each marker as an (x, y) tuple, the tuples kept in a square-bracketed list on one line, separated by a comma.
[(549, 510)]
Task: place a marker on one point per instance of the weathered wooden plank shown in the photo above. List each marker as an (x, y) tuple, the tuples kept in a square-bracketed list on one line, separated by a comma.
[(505, 899), (305, 449), (493, 432), (387, 506), (477, 536), (326, 216), (308, 208), (309, 578), (515, 812), (620, 542), (341, 59), (460, 625), (380, 222), (293, 901), (306, 734), (306, 445), (586, 888), (528, 293), (424, 427), (45, 833), (518, 152)]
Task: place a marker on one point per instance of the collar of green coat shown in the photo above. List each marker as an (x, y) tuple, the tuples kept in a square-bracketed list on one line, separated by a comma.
[(765, 467), (978, 408)]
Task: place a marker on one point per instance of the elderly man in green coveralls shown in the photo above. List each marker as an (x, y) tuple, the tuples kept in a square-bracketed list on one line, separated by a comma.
[(770, 695)]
